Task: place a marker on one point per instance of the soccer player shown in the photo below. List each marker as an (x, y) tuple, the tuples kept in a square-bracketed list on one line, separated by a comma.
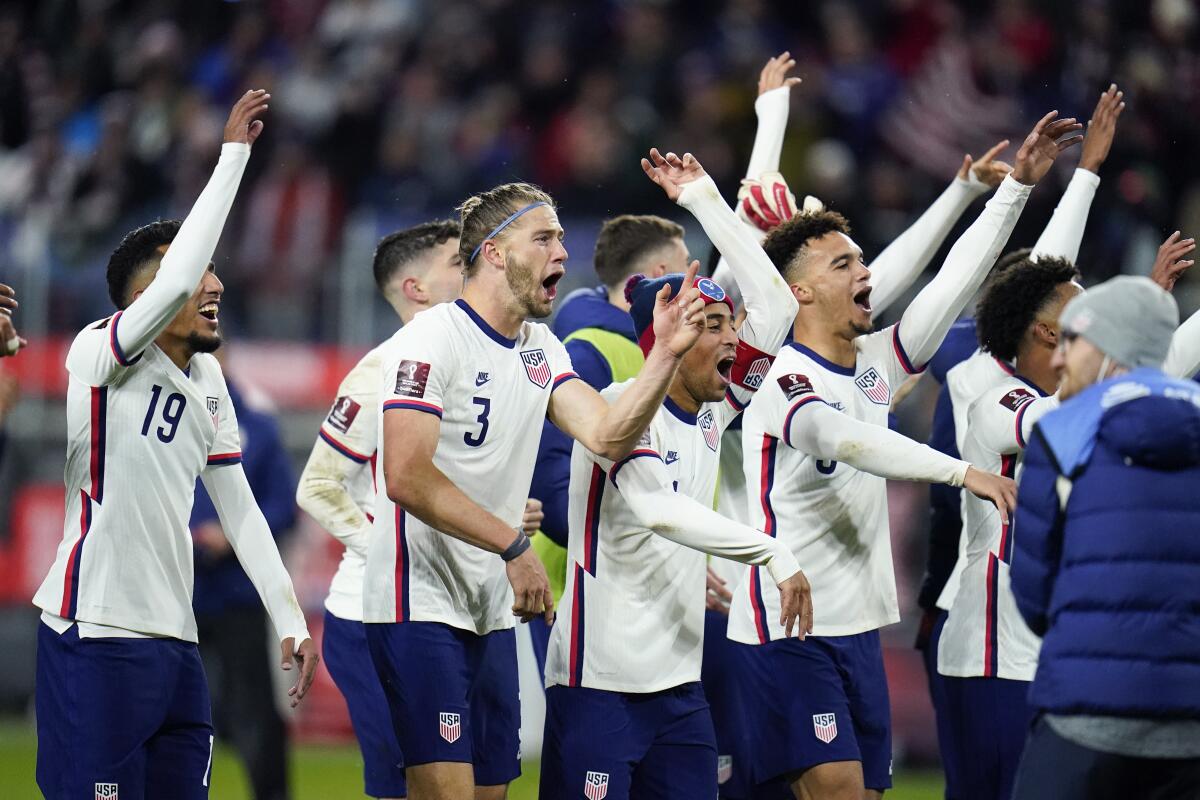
[(626, 715), (595, 329), (821, 421), (415, 269), (465, 387), (122, 704)]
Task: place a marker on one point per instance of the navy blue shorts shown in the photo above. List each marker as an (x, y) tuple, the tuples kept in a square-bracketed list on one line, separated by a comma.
[(815, 701), (121, 718), (452, 695), (941, 713), (344, 645), (722, 688), (620, 746), (989, 720)]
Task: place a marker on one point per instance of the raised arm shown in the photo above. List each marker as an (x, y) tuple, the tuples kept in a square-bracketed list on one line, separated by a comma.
[(646, 487), (770, 306), (612, 431), (189, 255), (895, 269), (249, 535), (933, 311), (771, 108), (1064, 232)]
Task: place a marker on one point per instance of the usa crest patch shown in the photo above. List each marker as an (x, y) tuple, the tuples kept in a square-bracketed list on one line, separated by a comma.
[(708, 426), (595, 785), (874, 387), (537, 368), (724, 768), (106, 791), (825, 727), (449, 726), (214, 406)]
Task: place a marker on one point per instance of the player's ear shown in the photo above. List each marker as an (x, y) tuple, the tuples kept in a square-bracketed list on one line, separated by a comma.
[(1046, 333), (802, 292), (413, 291), (492, 253)]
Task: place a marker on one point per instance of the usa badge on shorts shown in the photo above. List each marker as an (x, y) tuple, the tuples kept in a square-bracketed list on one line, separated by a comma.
[(724, 769), (449, 726), (874, 387), (537, 368), (708, 426), (106, 791), (825, 727), (595, 785)]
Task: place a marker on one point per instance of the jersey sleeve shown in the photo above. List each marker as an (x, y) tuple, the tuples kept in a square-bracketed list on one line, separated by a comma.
[(1003, 421), (351, 426), (648, 446), (783, 397), (227, 445), (96, 356), (885, 349), (419, 371), (560, 362)]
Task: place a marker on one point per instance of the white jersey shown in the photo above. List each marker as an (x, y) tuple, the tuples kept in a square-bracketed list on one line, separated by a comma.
[(632, 614), (731, 501), (140, 431), (985, 635), (966, 381), (832, 516), (491, 394), (352, 429)]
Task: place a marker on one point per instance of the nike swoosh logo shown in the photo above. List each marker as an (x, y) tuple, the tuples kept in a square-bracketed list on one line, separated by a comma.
[(672, 460), (479, 382)]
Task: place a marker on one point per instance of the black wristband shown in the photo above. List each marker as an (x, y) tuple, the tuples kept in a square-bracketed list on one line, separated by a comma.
[(519, 546)]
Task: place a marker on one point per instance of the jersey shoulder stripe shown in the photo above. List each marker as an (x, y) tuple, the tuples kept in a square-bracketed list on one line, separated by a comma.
[(639, 453), (113, 343), (901, 356), (224, 459), (413, 405), (787, 420), (348, 452), (563, 378)]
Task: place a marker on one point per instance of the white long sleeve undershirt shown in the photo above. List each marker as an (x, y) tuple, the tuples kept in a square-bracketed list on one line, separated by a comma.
[(770, 306), (1064, 232), (827, 434), (933, 311), (895, 269), (187, 257), (323, 494), (1183, 359), (646, 487), (250, 536)]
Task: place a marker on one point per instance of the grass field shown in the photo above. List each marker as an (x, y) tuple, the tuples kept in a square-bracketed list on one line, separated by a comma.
[(320, 773)]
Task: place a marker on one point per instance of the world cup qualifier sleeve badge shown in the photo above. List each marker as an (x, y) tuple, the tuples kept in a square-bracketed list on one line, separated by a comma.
[(537, 368)]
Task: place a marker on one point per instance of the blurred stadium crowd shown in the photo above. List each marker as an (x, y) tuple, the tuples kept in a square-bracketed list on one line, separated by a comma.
[(390, 111)]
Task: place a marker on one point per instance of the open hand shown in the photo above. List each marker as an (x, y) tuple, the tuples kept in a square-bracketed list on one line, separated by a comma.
[(531, 588), (1170, 264), (307, 657), (997, 489), (795, 606), (774, 73), (1042, 146), (987, 170), (243, 125), (718, 597), (679, 321), (671, 172), (1101, 128)]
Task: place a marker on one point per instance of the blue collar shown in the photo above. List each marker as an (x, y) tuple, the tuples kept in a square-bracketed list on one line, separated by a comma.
[(1028, 383), (824, 362), (678, 412), (491, 332)]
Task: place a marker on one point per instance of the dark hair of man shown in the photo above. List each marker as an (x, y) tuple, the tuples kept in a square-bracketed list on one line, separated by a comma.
[(624, 240), (784, 243), (397, 250), (138, 250), (481, 213), (1013, 300)]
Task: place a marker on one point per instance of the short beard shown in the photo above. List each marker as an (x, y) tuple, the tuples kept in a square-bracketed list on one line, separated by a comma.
[(862, 330), (203, 343), (521, 284)]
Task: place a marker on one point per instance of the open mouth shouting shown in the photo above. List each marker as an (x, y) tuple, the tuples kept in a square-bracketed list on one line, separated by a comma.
[(862, 299), (725, 369), (209, 310), (550, 284)]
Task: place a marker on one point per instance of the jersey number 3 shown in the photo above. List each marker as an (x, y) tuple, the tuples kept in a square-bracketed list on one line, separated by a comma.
[(172, 412), (476, 439)]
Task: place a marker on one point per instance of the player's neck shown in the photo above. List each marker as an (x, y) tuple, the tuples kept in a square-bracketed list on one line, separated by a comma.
[(681, 396), (616, 296), (176, 349), (1033, 364), (825, 342), (492, 307)]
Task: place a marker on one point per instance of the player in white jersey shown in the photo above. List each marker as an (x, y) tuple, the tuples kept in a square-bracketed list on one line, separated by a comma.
[(986, 650), (817, 449), (625, 661), (122, 704), (464, 389)]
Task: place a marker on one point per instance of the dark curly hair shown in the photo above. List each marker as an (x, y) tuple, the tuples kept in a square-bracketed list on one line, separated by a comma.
[(784, 243), (397, 250), (138, 250), (1013, 300)]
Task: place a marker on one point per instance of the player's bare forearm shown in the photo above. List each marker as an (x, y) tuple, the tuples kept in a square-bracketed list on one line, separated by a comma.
[(613, 431)]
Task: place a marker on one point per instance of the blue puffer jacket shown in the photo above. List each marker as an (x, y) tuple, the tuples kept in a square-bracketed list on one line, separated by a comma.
[(1112, 580)]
